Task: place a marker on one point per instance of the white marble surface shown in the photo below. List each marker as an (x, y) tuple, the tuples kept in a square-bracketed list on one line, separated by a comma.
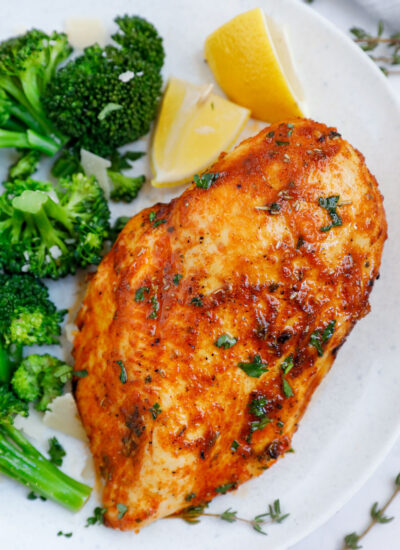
[(354, 516)]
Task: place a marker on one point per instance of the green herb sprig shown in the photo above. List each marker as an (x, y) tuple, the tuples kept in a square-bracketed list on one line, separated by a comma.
[(389, 56), (192, 515), (351, 541)]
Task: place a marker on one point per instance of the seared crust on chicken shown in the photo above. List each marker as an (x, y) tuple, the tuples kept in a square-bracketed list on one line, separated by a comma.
[(278, 257)]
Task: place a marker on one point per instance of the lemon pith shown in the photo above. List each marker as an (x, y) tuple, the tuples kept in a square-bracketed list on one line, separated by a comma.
[(251, 61)]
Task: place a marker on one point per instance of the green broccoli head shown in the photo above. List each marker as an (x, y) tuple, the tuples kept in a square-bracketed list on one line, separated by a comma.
[(10, 405), (125, 188), (27, 64), (40, 378), (27, 315), (50, 231), (108, 97), (25, 166)]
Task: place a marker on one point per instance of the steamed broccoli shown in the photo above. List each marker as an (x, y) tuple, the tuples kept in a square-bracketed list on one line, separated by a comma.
[(40, 378), (22, 462), (108, 97), (125, 189), (28, 63), (27, 317), (50, 231), (25, 166), (10, 405)]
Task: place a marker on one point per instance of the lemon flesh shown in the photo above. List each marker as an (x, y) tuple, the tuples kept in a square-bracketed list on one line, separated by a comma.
[(252, 62), (194, 126)]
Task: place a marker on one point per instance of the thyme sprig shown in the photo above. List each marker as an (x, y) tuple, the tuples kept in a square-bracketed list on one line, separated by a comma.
[(192, 515), (351, 541), (389, 54)]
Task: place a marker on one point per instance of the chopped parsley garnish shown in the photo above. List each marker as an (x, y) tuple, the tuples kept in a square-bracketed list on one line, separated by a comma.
[(66, 535), (56, 451), (287, 364), (318, 338), (176, 278), (225, 341), (234, 446), (156, 307), (155, 410), (34, 496), (280, 424), (257, 406), (139, 294), (147, 380), (98, 517), (287, 390), (81, 373), (159, 222), (258, 425), (190, 497), (254, 368), (300, 242), (206, 180), (280, 143), (123, 376), (330, 204), (122, 509), (197, 301), (290, 131), (286, 367), (270, 134), (223, 489), (274, 208), (152, 219)]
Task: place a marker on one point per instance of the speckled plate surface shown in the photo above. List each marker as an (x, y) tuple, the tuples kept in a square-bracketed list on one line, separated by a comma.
[(354, 416)]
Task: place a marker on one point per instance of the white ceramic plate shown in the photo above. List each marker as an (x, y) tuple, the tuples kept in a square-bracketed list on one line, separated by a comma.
[(354, 416)]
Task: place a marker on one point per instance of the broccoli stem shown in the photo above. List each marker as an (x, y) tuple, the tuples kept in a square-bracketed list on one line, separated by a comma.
[(29, 140), (43, 144), (25, 116), (14, 139), (22, 462)]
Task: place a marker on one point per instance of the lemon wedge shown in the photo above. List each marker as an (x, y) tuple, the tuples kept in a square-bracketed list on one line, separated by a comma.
[(252, 62), (194, 126)]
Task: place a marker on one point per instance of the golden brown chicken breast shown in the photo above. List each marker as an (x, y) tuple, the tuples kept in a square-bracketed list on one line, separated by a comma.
[(213, 319)]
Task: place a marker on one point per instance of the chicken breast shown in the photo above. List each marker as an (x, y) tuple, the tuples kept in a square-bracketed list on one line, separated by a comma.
[(210, 323)]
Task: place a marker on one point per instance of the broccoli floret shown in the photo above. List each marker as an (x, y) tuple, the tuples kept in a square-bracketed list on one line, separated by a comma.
[(118, 226), (125, 189), (27, 318), (40, 378), (108, 97), (67, 164), (123, 161), (10, 405), (22, 462), (25, 166), (27, 64), (50, 231)]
